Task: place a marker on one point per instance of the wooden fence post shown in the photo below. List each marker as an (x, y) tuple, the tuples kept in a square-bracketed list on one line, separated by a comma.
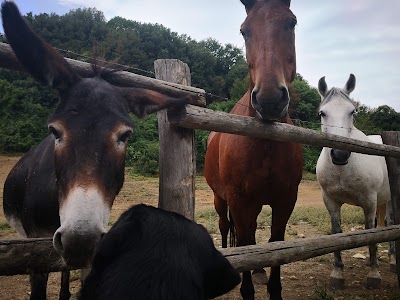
[(393, 166), (177, 158)]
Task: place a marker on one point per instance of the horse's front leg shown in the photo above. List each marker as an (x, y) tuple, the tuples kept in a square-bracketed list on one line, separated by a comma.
[(336, 279), (245, 220), (388, 222), (373, 278)]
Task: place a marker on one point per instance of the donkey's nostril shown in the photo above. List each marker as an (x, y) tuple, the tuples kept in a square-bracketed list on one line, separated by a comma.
[(57, 242)]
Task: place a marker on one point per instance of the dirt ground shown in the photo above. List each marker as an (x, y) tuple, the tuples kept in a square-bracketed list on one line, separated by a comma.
[(300, 280)]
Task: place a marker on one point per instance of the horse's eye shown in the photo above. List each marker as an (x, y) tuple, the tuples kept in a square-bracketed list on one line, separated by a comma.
[(244, 33), (292, 23), (354, 112), (123, 138), (321, 114), (55, 132)]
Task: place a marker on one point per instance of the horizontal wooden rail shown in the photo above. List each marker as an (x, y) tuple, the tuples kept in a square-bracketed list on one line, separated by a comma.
[(207, 119), (23, 256), (122, 78), (280, 253)]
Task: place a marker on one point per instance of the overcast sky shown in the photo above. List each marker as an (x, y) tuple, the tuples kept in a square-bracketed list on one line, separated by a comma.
[(333, 38)]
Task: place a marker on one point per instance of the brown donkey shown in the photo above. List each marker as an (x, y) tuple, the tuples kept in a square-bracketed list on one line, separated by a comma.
[(65, 187)]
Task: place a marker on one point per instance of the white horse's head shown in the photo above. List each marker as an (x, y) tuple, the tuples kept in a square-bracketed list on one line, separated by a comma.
[(337, 114)]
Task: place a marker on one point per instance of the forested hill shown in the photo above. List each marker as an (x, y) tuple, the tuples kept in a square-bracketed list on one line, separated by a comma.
[(219, 69)]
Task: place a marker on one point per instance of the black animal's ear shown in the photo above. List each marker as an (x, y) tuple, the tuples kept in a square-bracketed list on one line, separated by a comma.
[(350, 84), (43, 62), (322, 87), (287, 2), (220, 276), (248, 4), (142, 102)]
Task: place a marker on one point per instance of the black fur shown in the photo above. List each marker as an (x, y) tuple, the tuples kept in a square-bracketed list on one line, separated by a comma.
[(150, 253)]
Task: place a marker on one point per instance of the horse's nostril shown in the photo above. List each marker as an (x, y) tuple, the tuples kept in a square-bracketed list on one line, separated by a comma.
[(57, 242), (285, 93)]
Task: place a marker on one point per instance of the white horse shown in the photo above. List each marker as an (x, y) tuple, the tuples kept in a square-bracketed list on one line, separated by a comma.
[(347, 177)]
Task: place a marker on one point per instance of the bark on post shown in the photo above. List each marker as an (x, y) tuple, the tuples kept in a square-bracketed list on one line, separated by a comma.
[(177, 158), (393, 166)]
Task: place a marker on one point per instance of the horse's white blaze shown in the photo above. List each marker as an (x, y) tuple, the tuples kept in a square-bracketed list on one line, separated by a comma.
[(84, 210)]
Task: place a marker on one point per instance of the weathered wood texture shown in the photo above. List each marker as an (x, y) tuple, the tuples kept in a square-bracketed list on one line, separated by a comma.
[(393, 166), (279, 253), (20, 256), (177, 156), (23, 256), (206, 119), (122, 78)]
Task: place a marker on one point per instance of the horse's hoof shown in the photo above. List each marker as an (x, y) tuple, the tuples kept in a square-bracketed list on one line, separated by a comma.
[(336, 283), (393, 267), (374, 282), (260, 277)]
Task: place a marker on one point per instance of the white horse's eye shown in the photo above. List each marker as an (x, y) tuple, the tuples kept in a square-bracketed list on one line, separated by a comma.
[(354, 112), (321, 114)]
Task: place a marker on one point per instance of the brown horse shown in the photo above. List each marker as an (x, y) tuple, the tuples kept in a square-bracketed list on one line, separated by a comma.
[(64, 188), (246, 173)]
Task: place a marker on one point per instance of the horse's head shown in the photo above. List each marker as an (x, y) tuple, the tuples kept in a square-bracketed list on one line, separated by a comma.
[(90, 128), (269, 36), (337, 114)]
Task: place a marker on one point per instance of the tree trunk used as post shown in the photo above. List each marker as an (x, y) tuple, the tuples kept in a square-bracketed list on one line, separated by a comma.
[(393, 166), (177, 158)]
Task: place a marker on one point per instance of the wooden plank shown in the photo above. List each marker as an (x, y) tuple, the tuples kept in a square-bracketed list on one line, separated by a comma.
[(177, 158), (393, 166), (122, 78), (21, 256), (207, 119), (279, 253)]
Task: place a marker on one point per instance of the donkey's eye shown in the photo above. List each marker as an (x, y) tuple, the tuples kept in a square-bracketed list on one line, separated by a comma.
[(321, 114), (354, 112), (123, 138), (55, 132)]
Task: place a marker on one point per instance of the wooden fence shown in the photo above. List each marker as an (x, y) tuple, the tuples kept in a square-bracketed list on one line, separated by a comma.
[(16, 257)]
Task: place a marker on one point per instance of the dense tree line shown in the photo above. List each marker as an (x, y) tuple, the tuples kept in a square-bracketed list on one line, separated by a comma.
[(219, 69)]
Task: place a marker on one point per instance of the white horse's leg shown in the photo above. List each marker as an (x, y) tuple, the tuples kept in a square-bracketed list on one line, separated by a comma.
[(373, 278), (388, 222), (336, 279)]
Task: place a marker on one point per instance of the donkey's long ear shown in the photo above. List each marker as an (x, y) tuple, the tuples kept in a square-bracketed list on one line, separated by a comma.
[(248, 4), (142, 102), (350, 84), (43, 62), (322, 87)]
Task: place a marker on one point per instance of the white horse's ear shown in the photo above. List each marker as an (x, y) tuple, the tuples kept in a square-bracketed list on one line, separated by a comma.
[(350, 84), (322, 87)]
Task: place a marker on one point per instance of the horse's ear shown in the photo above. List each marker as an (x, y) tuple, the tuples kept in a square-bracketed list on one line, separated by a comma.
[(350, 84), (287, 2), (248, 4), (43, 62), (322, 87), (142, 102)]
